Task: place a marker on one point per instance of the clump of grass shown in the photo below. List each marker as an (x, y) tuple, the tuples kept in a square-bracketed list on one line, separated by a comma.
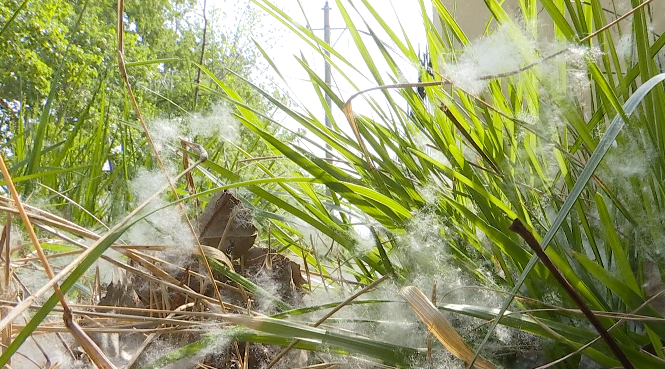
[(494, 164), (438, 181)]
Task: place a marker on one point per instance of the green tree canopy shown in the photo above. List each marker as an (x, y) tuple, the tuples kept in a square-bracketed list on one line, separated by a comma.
[(63, 101)]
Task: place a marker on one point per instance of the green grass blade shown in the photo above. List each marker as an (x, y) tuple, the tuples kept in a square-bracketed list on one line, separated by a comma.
[(619, 255), (385, 353), (601, 149), (40, 133)]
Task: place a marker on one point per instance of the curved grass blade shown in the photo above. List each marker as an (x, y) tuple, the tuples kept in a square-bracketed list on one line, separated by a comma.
[(240, 334), (385, 353), (601, 149), (45, 174)]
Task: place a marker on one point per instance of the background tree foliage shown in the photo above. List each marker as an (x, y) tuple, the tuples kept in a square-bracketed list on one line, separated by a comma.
[(65, 114), (435, 179)]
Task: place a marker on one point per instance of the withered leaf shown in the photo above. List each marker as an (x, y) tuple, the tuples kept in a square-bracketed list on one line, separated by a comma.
[(258, 257), (227, 225)]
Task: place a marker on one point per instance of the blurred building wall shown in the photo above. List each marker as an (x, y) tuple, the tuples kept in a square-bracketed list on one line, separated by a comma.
[(472, 15)]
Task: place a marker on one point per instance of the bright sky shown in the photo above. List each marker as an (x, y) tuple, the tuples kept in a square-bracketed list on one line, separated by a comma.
[(290, 45), (287, 45)]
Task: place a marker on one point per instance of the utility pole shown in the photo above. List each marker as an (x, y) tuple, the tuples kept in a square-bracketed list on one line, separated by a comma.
[(328, 73)]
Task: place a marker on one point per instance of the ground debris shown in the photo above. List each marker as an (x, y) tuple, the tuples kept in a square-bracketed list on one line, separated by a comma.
[(227, 226)]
